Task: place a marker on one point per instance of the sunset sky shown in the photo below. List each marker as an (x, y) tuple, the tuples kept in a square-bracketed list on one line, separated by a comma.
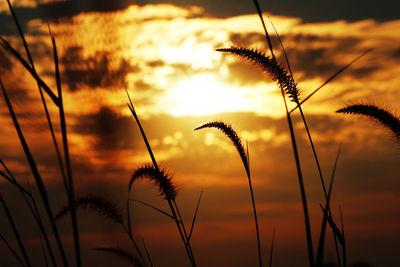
[(164, 52)]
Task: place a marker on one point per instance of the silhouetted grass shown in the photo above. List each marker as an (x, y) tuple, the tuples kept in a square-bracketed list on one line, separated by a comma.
[(160, 178), (233, 136), (376, 113)]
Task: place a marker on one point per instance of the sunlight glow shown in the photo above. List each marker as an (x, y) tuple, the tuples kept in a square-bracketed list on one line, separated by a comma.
[(202, 95)]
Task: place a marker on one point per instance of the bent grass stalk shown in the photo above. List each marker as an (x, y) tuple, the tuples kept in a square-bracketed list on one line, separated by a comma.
[(287, 86), (172, 204), (320, 250), (233, 136), (294, 145)]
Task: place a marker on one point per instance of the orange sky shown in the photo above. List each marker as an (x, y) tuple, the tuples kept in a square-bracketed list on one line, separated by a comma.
[(166, 56)]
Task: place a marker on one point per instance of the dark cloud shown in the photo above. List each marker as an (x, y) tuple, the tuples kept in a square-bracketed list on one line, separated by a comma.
[(156, 63), (94, 71), (142, 86), (110, 130), (311, 11)]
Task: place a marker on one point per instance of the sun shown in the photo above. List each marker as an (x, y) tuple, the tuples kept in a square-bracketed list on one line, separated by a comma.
[(203, 94)]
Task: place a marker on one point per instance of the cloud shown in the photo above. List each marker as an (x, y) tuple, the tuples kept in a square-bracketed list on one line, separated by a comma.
[(94, 71), (110, 130)]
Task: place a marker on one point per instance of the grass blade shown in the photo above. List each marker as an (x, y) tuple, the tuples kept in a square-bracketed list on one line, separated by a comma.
[(195, 216), (272, 247), (147, 253), (155, 208), (6, 45), (332, 224), (36, 175), (344, 242), (69, 187), (32, 207), (171, 202), (15, 231), (330, 79), (11, 250), (295, 150), (320, 251)]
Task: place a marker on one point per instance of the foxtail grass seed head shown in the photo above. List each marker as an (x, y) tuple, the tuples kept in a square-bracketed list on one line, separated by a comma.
[(96, 203), (374, 112), (160, 179), (276, 71), (231, 134)]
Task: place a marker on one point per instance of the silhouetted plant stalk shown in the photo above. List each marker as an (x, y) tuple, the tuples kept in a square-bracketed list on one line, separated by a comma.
[(161, 181), (11, 250), (293, 94), (58, 101), (31, 203), (36, 175), (320, 250), (16, 232), (233, 136), (272, 247)]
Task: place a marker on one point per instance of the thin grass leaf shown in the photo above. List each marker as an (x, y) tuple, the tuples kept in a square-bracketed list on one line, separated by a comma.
[(331, 78), (295, 149), (272, 247), (283, 49), (344, 252), (128, 229), (69, 185), (11, 250), (160, 179), (155, 208), (147, 253), (43, 252), (16, 184), (267, 64), (379, 114), (36, 174), (302, 115), (96, 203), (123, 254), (6, 45), (321, 244), (32, 207), (171, 202), (15, 231), (332, 224), (195, 216)]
